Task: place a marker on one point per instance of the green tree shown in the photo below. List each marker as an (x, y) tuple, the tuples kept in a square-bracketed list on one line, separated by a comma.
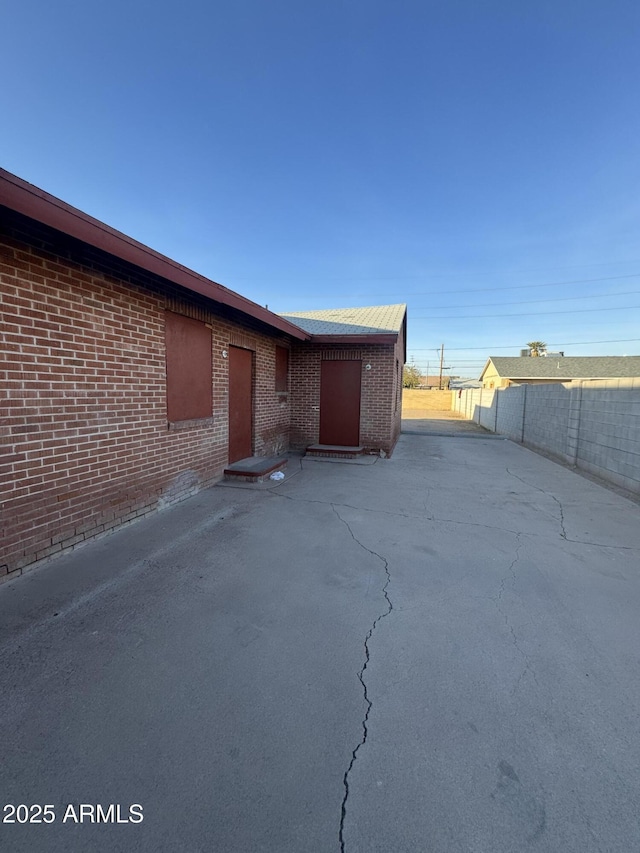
[(411, 377), (537, 347)]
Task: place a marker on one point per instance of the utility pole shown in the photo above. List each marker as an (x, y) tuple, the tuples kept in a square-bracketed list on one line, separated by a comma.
[(441, 363)]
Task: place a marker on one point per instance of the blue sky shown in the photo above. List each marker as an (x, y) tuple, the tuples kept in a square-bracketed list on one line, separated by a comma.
[(479, 161)]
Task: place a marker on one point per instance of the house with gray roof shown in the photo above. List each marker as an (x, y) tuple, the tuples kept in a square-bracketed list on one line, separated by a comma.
[(500, 372)]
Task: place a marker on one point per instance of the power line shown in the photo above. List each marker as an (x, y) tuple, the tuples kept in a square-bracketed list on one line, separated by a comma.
[(472, 289), (526, 286), (537, 301), (526, 314), (436, 275), (519, 346)]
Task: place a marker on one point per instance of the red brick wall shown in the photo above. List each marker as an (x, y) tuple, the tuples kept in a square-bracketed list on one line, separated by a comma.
[(85, 441), (379, 419)]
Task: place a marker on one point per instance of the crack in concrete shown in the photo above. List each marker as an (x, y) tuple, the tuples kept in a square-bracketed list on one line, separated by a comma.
[(411, 516), (477, 524), (510, 571), (604, 545), (563, 534), (514, 637), (350, 506), (361, 673), (596, 838), (561, 508)]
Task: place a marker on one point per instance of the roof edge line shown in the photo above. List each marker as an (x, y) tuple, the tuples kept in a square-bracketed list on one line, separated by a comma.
[(382, 338), (37, 204)]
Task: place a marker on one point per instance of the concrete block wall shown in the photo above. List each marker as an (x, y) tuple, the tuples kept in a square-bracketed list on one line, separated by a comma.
[(546, 417), (609, 431), (488, 409), (593, 424), (480, 405), (86, 441), (467, 403), (510, 413)]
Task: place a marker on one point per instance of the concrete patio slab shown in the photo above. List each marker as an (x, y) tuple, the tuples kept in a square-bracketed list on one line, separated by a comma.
[(444, 424), (437, 651)]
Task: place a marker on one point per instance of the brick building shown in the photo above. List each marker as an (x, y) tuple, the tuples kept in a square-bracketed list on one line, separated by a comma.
[(361, 353), (128, 382)]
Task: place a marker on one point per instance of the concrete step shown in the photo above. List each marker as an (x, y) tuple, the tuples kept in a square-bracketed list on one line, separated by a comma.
[(254, 469), (334, 451)]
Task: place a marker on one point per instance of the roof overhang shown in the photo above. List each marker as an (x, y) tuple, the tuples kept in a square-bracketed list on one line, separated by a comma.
[(24, 198), (484, 369)]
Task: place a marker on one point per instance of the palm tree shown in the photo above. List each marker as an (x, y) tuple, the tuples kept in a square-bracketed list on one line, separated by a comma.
[(537, 347)]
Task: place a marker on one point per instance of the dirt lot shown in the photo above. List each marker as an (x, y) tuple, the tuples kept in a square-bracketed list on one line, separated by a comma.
[(430, 413), (422, 404)]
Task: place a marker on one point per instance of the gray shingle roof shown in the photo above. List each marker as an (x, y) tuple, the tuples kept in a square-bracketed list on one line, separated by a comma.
[(374, 320), (567, 367)]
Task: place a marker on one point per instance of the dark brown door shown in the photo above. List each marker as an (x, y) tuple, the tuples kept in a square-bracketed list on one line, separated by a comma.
[(240, 403), (340, 402)]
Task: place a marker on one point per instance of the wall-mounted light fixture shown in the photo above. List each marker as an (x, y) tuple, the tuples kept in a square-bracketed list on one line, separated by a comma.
[(367, 367), (224, 353)]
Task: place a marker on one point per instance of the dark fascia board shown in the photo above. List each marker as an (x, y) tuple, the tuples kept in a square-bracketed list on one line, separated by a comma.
[(404, 336), (354, 339), (24, 198)]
